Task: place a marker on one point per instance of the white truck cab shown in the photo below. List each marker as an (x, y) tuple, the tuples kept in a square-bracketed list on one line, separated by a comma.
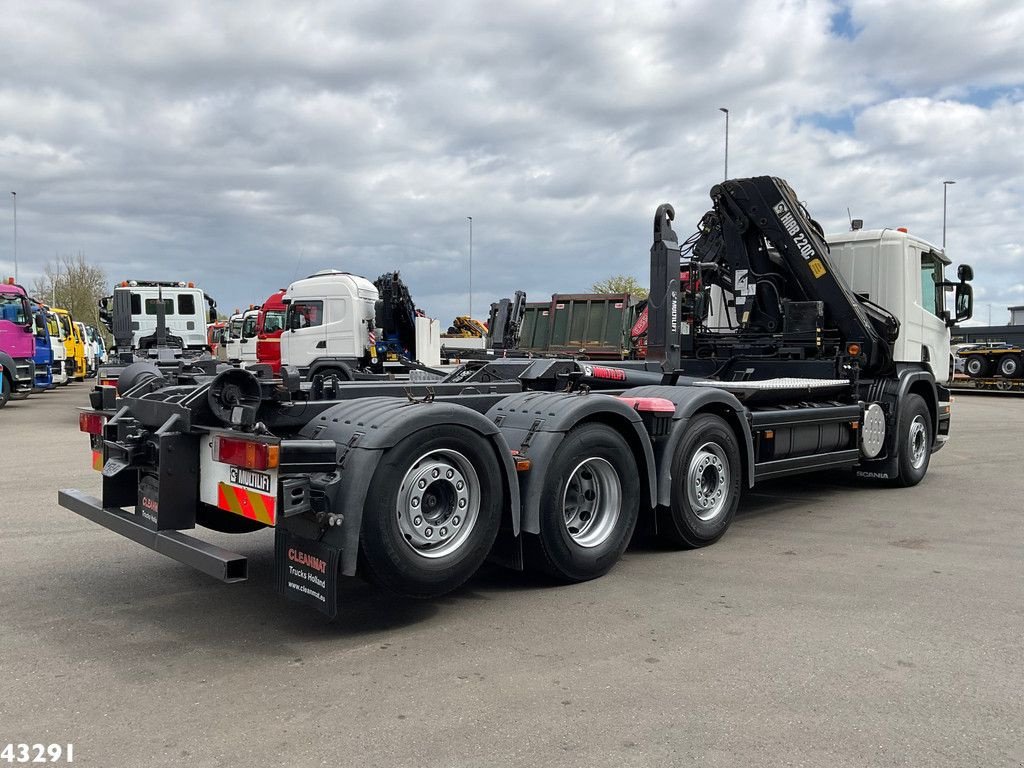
[(187, 310), (247, 342), (328, 322), (905, 275), (232, 338), (60, 354)]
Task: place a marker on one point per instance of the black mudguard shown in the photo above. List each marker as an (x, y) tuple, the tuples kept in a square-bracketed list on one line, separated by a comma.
[(891, 392), (535, 423), (363, 430), (689, 401)]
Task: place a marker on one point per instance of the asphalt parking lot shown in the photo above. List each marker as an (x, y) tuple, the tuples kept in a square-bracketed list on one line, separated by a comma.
[(836, 624)]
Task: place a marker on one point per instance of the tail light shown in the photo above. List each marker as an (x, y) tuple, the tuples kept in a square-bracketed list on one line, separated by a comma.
[(91, 422), (108, 382), (659, 405), (655, 412), (245, 453)]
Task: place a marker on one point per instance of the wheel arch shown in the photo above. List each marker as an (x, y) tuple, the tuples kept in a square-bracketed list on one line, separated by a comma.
[(364, 430), (536, 423)]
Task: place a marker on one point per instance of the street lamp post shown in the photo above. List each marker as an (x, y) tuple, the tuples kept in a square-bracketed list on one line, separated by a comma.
[(470, 265), (945, 188), (726, 111), (14, 201)]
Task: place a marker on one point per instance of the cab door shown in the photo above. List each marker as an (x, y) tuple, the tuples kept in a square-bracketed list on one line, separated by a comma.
[(305, 336)]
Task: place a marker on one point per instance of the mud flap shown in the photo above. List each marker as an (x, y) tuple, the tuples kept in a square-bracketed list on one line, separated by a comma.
[(307, 571)]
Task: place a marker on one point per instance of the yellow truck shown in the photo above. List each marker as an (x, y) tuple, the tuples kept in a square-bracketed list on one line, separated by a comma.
[(74, 345)]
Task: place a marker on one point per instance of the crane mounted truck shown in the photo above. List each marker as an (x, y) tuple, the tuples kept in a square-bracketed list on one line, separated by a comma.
[(548, 464)]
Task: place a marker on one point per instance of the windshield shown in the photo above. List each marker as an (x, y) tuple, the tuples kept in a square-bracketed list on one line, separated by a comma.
[(235, 329), (273, 321), (53, 325), (65, 322), (249, 327), (13, 309)]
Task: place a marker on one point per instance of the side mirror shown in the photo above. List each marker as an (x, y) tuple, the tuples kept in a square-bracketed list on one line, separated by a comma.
[(964, 273), (963, 303)]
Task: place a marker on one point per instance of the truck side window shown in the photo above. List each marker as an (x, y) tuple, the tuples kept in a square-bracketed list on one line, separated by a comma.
[(186, 304), (305, 314), (932, 298), (136, 304)]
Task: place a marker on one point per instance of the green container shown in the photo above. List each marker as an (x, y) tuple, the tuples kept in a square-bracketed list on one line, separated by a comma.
[(591, 325)]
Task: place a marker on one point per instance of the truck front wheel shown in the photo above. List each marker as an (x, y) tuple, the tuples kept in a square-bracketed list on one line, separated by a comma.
[(589, 505), (706, 478), (432, 512), (915, 441)]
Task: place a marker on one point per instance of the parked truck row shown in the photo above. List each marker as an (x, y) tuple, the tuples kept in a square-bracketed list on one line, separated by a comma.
[(42, 347), (786, 352)]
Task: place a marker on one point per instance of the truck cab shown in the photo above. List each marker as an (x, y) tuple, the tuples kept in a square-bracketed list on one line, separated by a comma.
[(44, 351), (247, 344), (232, 338), (17, 341), (328, 322), (269, 328), (60, 355), (215, 336), (187, 310), (905, 275), (74, 345), (88, 350)]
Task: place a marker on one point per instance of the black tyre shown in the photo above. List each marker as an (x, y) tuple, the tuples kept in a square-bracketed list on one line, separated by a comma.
[(976, 366), (5, 389), (432, 512), (914, 441), (707, 475), (1009, 367), (589, 505)]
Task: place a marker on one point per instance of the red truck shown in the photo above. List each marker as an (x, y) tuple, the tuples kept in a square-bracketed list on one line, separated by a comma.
[(269, 326)]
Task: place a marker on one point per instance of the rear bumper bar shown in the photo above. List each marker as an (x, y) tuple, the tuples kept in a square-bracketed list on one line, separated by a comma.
[(208, 558)]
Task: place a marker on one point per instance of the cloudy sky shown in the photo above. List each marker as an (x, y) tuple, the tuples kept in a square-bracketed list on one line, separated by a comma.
[(240, 144)]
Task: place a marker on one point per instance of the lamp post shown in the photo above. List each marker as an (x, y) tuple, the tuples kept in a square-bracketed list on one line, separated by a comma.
[(14, 202), (470, 218), (945, 189), (726, 111)]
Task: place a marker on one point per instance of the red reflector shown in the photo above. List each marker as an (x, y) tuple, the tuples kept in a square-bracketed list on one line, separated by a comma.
[(650, 404), (245, 453), (91, 422), (108, 382)]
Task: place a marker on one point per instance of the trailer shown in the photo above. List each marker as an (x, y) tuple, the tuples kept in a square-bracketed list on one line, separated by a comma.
[(549, 464)]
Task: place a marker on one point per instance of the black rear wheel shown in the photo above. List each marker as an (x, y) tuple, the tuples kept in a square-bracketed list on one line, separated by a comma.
[(1009, 366), (432, 512), (706, 480), (976, 366), (589, 505)]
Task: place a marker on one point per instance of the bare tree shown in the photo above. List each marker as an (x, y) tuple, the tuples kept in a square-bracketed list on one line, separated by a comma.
[(620, 284), (72, 283)]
